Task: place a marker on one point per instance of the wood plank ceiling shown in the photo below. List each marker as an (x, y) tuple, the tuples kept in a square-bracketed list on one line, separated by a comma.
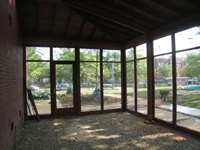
[(115, 21)]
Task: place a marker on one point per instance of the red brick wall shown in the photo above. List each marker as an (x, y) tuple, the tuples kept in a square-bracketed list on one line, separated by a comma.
[(11, 75)]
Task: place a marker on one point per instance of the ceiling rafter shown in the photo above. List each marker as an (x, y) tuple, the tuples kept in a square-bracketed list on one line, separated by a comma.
[(104, 36), (107, 29), (96, 25), (106, 15), (69, 21), (121, 11), (54, 18), (93, 33), (112, 31), (167, 7), (101, 22), (83, 24), (194, 3), (134, 5), (119, 38), (116, 33)]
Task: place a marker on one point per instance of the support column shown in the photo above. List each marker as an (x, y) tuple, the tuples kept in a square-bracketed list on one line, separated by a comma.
[(174, 78), (150, 79), (123, 79), (77, 65)]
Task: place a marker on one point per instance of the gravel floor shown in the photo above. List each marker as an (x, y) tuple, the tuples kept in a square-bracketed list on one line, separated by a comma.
[(102, 131)]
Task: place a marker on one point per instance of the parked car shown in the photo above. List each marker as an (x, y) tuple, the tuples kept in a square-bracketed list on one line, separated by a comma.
[(142, 84), (86, 83), (40, 94), (62, 86), (33, 88), (108, 87), (160, 81), (120, 82)]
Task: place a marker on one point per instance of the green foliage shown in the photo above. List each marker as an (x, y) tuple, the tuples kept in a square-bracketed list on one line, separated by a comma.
[(191, 69), (130, 54), (141, 70), (36, 70), (165, 70), (130, 71)]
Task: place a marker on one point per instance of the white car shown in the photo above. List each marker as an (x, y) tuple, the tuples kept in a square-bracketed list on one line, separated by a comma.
[(110, 87), (34, 88), (62, 86)]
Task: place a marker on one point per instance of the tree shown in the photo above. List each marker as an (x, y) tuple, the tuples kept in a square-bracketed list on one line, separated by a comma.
[(36, 70), (141, 70), (130, 71), (90, 71), (64, 71), (191, 69), (165, 70), (130, 54)]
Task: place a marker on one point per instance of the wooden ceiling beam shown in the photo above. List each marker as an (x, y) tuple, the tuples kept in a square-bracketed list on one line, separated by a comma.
[(96, 25), (181, 24), (54, 18), (121, 11), (83, 24), (107, 29), (167, 7), (69, 21), (70, 43), (93, 33), (111, 25), (104, 36), (133, 5), (194, 3), (106, 15)]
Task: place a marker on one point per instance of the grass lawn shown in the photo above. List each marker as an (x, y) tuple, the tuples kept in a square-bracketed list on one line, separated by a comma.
[(186, 100), (189, 100)]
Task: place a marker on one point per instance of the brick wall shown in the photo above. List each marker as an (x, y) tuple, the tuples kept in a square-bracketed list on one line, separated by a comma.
[(11, 74)]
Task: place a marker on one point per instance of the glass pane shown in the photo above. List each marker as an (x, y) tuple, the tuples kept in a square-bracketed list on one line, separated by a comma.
[(188, 38), (90, 86), (162, 45), (67, 54), (64, 86), (141, 51), (111, 55), (112, 85), (38, 53), (130, 54), (163, 87), (142, 86), (188, 89), (89, 54), (130, 86), (38, 75)]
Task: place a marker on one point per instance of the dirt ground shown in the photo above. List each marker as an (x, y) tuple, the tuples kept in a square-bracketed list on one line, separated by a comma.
[(112, 131), (86, 99)]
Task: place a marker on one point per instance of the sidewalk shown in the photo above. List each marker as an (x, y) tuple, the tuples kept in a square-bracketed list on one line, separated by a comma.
[(180, 109)]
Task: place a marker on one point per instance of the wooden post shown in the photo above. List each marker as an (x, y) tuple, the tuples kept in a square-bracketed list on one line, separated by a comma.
[(150, 78), (174, 78)]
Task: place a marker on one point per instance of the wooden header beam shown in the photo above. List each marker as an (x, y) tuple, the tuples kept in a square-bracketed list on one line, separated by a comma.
[(68, 43)]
